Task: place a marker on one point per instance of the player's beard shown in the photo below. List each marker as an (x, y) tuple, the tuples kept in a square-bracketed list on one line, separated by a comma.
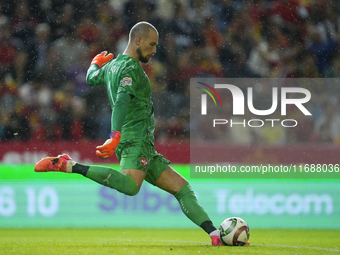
[(143, 59)]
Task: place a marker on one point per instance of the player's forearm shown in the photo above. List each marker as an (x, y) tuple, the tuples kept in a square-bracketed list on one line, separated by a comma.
[(120, 110), (93, 76)]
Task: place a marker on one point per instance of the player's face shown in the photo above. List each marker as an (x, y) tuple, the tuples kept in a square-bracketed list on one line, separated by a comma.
[(147, 47)]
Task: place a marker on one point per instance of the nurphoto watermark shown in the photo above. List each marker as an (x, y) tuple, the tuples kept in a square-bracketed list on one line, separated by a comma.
[(229, 113)]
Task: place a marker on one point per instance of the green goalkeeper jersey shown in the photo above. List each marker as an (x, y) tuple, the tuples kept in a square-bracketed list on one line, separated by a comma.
[(125, 75)]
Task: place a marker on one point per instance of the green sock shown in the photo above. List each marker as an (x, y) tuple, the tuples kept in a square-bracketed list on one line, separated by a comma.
[(192, 209), (108, 177)]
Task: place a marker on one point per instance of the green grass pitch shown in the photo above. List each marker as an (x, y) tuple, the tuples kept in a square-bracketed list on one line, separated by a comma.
[(162, 241)]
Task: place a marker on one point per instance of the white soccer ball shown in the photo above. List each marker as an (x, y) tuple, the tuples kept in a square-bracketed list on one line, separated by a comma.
[(234, 232)]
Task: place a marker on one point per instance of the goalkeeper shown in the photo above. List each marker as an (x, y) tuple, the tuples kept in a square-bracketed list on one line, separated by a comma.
[(132, 125)]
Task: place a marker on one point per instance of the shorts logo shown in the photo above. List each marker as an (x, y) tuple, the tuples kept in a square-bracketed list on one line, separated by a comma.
[(127, 81), (144, 162)]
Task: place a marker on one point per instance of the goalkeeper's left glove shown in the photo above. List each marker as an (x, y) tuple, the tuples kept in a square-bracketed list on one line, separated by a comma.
[(109, 147), (102, 59)]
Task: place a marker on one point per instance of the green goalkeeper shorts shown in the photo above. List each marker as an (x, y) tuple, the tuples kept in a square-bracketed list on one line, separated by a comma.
[(142, 156)]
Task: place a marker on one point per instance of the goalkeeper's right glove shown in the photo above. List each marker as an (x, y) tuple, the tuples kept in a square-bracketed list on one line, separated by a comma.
[(102, 59), (109, 147)]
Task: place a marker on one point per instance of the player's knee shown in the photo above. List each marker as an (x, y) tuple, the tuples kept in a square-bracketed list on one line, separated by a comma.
[(130, 187), (132, 191), (185, 191)]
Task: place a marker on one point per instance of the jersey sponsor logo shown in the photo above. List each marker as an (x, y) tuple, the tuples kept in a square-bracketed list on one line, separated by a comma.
[(144, 162), (127, 81)]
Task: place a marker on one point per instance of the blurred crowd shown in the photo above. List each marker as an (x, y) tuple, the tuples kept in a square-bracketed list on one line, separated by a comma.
[(46, 47)]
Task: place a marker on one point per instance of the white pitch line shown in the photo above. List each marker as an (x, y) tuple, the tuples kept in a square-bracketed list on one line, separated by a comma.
[(301, 247), (271, 245)]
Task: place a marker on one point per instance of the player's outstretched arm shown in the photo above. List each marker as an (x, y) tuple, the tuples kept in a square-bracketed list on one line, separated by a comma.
[(93, 76)]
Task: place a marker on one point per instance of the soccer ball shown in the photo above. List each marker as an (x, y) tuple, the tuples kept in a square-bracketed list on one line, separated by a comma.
[(234, 232)]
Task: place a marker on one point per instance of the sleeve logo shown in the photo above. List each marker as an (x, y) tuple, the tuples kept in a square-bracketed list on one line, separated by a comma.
[(127, 81)]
